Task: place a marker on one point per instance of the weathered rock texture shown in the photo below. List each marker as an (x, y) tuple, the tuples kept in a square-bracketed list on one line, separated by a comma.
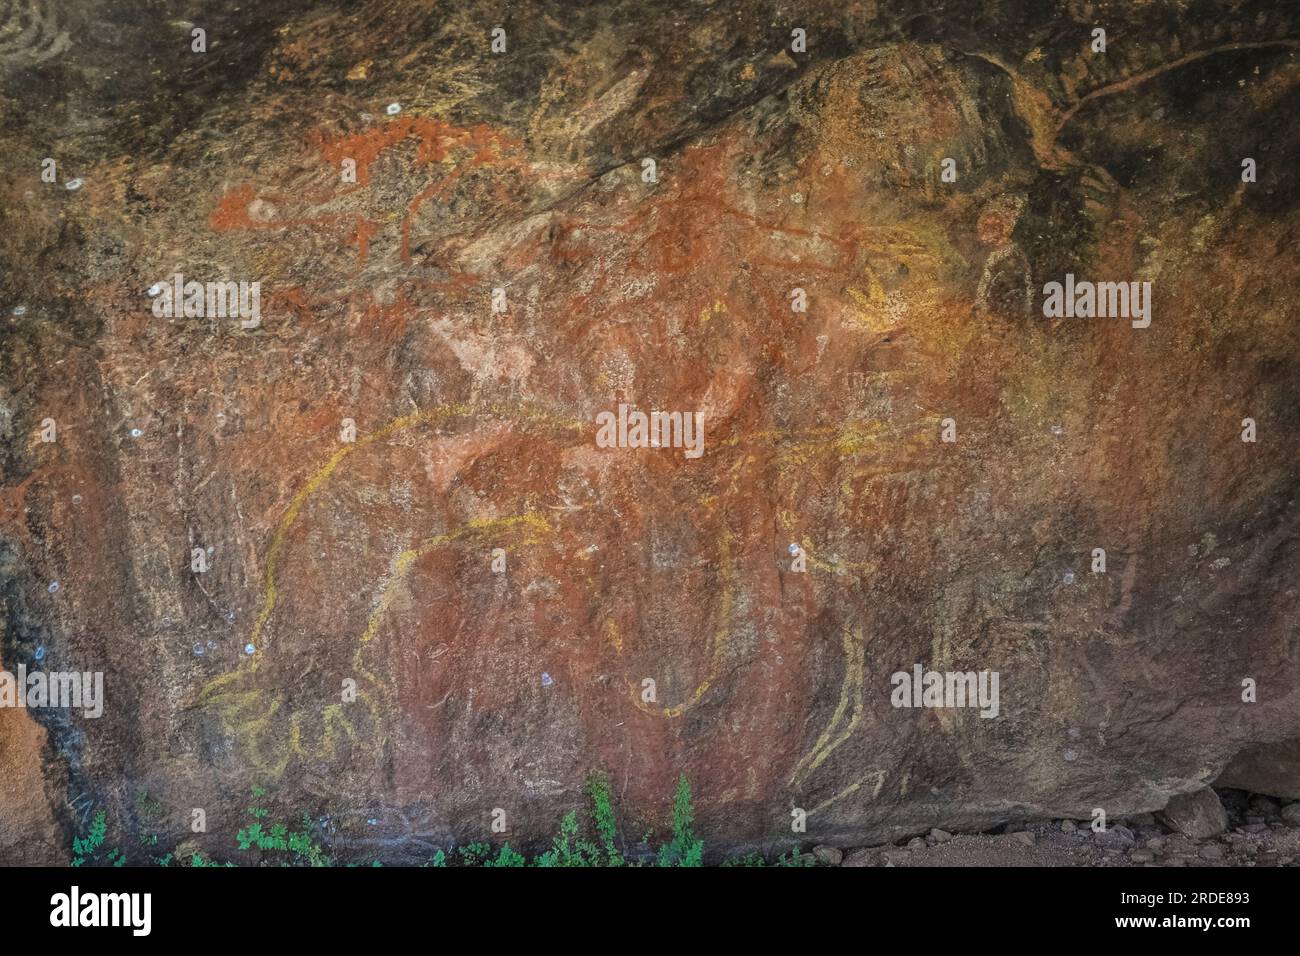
[(1198, 814), (776, 170)]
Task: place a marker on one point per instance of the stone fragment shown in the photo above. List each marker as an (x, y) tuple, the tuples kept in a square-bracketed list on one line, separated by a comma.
[(1117, 836), (1198, 814), (829, 855)]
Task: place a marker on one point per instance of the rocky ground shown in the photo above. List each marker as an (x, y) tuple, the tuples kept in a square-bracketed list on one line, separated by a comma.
[(1257, 831)]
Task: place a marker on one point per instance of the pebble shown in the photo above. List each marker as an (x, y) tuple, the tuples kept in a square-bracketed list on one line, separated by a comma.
[(1119, 836), (1212, 851), (393, 109), (72, 184), (859, 858), (916, 843), (1177, 845), (1025, 837), (940, 836), (1198, 814), (830, 855), (1291, 814), (1068, 826), (249, 649)]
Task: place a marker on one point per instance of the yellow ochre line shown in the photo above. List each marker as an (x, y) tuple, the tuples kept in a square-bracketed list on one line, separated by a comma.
[(721, 639), (853, 788), (851, 684), (313, 484), (242, 710), (402, 563)]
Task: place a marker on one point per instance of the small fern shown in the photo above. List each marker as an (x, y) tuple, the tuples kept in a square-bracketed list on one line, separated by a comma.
[(683, 849), (87, 848)]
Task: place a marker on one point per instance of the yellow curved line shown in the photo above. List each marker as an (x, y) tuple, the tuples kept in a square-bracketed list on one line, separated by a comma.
[(531, 521), (234, 705), (853, 788), (440, 413), (851, 684), (721, 639)]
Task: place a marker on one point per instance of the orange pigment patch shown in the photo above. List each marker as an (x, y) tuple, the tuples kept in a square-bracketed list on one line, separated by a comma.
[(436, 140)]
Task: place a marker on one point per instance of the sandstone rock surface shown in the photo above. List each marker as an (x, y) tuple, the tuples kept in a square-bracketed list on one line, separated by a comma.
[(368, 563)]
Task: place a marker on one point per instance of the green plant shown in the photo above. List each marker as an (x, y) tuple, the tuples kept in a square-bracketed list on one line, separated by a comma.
[(86, 849), (474, 854), (298, 843), (683, 849), (507, 857), (570, 847), (566, 849), (602, 813)]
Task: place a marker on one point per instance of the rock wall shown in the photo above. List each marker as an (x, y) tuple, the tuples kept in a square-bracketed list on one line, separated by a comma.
[(393, 478)]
